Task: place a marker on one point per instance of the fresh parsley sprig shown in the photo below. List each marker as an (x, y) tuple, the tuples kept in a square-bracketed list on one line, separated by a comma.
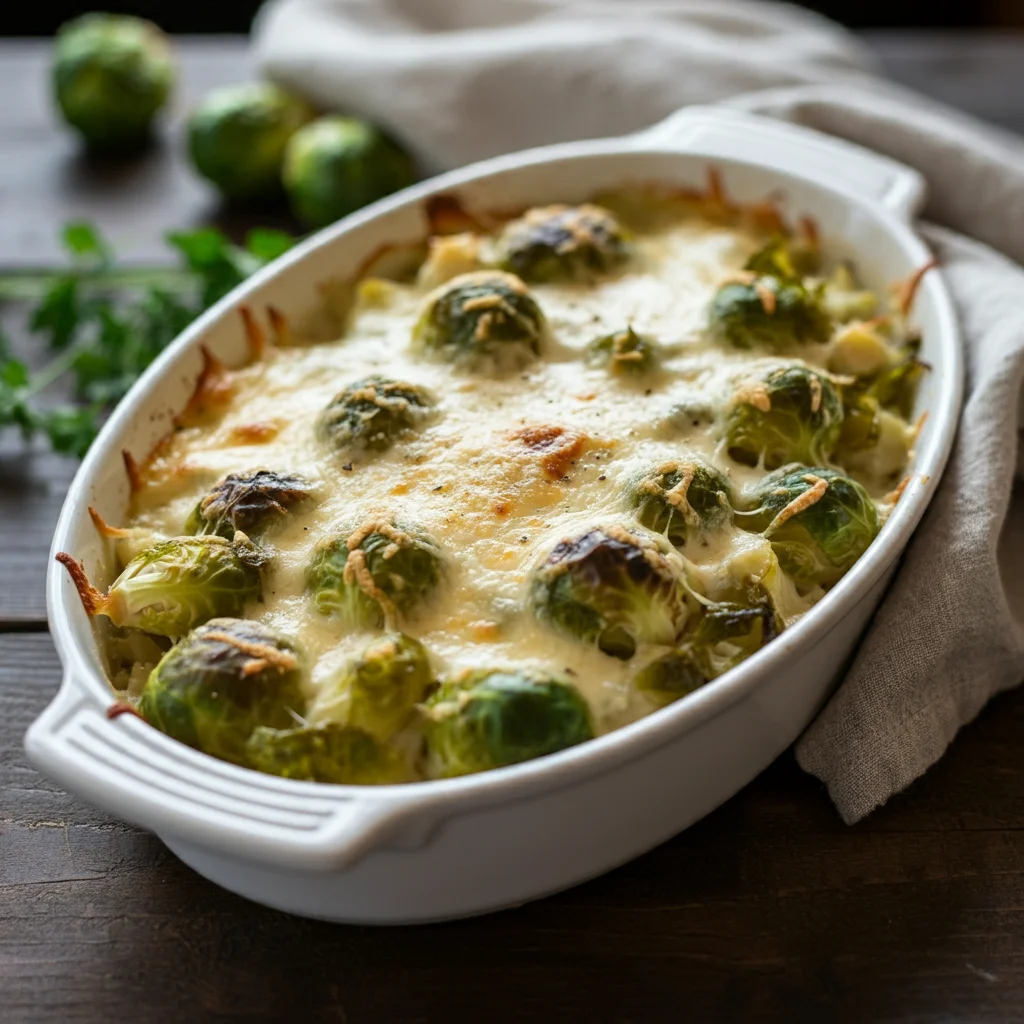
[(105, 324)]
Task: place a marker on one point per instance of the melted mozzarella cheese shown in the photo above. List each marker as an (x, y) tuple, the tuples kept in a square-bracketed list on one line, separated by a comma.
[(471, 479)]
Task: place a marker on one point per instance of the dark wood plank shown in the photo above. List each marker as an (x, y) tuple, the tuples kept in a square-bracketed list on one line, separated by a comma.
[(770, 909)]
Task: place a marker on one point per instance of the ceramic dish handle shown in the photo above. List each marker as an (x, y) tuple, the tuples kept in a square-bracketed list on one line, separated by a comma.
[(130, 768), (723, 132)]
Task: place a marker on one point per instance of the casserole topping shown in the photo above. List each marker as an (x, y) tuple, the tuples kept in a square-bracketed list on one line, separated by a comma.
[(550, 475)]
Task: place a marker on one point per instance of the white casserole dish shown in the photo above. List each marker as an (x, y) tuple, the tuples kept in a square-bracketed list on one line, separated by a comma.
[(444, 849)]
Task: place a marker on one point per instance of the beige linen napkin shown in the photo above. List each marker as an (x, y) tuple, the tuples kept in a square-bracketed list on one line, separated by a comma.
[(458, 80)]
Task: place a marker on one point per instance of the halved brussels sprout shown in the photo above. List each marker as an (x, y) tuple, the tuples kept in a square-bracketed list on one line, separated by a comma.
[(111, 74), (794, 414), (486, 319), (373, 413), (896, 387), (819, 522), (727, 634), (379, 573), (238, 134), (378, 691), (682, 499), (254, 503), (858, 350), (845, 300), (612, 587), (786, 258), (769, 313), (562, 243), (340, 754), (489, 718), (625, 353), (337, 165), (214, 687), (177, 584)]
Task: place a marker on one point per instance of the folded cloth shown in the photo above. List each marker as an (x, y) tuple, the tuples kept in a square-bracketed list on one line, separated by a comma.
[(457, 80)]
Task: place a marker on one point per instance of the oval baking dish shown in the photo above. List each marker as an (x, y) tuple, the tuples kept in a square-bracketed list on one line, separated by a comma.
[(453, 847)]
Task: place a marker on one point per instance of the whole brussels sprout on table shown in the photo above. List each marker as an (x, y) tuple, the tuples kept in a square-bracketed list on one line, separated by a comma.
[(238, 134), (112, 74), (336, 165)]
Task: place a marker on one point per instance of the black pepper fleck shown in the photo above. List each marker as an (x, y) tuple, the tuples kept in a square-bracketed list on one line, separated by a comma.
[(602, 477), (347, 467), (439, 487)]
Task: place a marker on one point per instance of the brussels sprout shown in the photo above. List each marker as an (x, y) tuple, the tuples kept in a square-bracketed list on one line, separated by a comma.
[(111, 74), (858, 350), (378, 691), (768, 312), (612, 587), (338, 164), (325, 753), (489, 718), (786, 259), (214, 687), (794, 415), (380, 572), (727, 634), (844, 300), (683, 499), (896, 387), (254, 503), (373, 413), (625, 353), (176, 584), (862, 423), (238, 134), (562, 243), (819, 522), (482, 318)]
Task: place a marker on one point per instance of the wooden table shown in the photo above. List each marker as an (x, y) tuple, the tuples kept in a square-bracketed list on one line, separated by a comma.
[(769, 909)]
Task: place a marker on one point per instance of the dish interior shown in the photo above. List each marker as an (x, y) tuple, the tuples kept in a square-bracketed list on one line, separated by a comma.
[(513, 460)]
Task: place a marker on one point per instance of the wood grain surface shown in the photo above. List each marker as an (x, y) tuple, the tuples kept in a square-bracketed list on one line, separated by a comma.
[(768, 910)]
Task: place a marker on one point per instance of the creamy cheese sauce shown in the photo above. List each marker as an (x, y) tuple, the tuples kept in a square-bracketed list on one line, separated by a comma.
[(487, 497)]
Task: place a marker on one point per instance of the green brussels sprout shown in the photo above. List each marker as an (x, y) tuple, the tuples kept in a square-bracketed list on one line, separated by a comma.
[(254, 503), (177, 584), (379, 573), (490, 718), (625, 353), (862, 423), (726, 635), (378, 691), (562, 243), (682, 500), (895, 388), (794, 414), (769, 313), (214, 687), (483, 318), (111, 75), (336, 165), (238, 134), (612, 587), (819, 522), (325, 753), (373, 413), (786, 259)]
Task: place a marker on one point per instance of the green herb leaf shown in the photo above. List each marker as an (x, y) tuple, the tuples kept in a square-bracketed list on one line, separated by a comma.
[(84, 242), (267, 244)]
